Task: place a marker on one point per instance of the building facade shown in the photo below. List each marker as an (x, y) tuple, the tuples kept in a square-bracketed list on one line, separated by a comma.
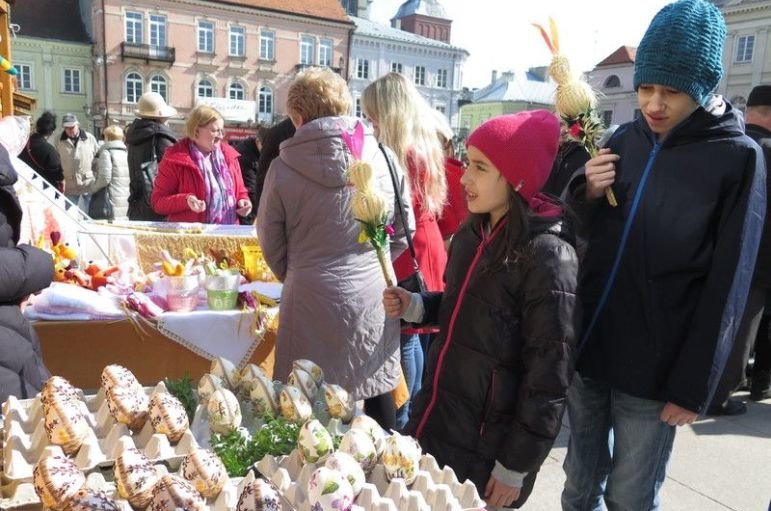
[(426, 18), (507, 94), (613, 78), (238, 56), (434, 67), (747, 54), (52, 56)]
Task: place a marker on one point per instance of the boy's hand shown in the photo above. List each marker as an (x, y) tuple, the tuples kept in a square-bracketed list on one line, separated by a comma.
[(677, 415), (499, 494), (600, 173), (396, 301)]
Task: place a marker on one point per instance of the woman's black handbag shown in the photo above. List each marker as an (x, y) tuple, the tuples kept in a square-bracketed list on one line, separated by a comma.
[(415, 283), (100, 207)]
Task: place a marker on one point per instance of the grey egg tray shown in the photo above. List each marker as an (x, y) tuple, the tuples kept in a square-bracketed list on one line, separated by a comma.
[(434, 489)]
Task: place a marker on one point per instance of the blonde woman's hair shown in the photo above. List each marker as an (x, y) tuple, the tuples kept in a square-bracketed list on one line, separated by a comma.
[(113, 132), (202, 115), (406, 124), (318, 92)]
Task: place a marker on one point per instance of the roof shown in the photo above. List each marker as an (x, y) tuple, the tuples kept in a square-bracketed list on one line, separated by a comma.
[(50, 19), (430, 8), (324, 9), (623, 55), (369, 28), (516, 87)]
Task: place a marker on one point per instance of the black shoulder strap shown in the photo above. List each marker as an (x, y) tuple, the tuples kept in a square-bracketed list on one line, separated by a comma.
[(399, 204)]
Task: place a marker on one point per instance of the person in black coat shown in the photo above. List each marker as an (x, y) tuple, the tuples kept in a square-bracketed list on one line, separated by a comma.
[(497, 375), (572, 155), (249, 149), (23, 270), (147, 137), (270, 150), (42, 156)]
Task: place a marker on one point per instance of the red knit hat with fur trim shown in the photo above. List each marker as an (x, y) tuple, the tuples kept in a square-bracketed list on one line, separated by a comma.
[(522, 147)]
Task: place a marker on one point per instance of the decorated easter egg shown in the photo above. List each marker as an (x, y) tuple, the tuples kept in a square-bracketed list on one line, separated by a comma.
[(373, 429), (58, 388), (305, 382), (135, 477), (115, 375), (226, 370), (205, 470), (401, 457), (349, 467), (360, 446), (264, 395), (258, 496), (247, 376), (329, 490), (128, 405), (56, 479), (207, 385), (91, 500), (224, 411), (65, 425), (168, 416), (172, 493), (314, 441), (311, 368), (339, 402), (295, 406)]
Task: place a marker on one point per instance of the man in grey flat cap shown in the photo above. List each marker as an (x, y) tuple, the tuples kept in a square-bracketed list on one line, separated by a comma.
[(76, 148)]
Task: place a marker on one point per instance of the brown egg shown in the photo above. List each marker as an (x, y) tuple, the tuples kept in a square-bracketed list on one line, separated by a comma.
[(205, 470), (168, 416), (65, 424), (129, 406), (56, 479), (59, 388), (115, 375), (135, 477)]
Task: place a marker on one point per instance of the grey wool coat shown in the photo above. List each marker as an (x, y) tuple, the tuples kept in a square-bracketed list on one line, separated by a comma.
[(331, 308)]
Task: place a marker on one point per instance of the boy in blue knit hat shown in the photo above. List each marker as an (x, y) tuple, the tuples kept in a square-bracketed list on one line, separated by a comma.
[(666, 273)]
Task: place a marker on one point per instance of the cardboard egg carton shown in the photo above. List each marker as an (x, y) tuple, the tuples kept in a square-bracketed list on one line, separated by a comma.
[(24, 438), (24, 496), (434, 489)]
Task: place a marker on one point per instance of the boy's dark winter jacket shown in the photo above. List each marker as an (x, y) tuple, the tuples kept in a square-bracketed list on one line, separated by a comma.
[(500, 367), (141, 136), (23, 270), (671, 316), (762, 275)]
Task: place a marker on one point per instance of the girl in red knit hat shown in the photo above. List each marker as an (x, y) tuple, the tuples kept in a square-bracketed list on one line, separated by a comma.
[(494, 393)]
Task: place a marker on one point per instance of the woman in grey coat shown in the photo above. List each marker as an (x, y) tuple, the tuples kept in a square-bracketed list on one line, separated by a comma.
[(110, 191), (331, 306)]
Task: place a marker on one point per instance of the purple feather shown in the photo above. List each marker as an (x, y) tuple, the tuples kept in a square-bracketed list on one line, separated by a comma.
[(355, 140)]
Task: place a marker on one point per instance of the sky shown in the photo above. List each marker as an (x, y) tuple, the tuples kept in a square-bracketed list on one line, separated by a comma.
[(499, 36)]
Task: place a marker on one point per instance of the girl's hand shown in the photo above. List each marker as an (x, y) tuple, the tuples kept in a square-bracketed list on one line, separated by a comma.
[(243, 207), (195, 205), (499, 494), (396, 301), (600, 173), (677, 415)]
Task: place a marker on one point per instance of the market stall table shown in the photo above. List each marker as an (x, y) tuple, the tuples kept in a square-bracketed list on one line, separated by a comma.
[(79, 350)]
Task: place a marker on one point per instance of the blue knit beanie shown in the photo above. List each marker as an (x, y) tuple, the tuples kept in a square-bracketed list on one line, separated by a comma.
[(683, 49)]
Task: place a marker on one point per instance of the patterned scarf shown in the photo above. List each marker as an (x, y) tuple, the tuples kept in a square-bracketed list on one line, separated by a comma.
[(218, 185)]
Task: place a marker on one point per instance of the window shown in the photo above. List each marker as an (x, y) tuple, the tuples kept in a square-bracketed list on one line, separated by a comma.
[(72, 81), (612, 81), (157, 30), (306, 50), (267, 45), (205, 89), (325, 52), (205, 37), (158, 84), (362, 69), (236, 91), (744, 48), (357, 108), (607, 117), (134, 27), (23, 76), (237, 41), (265, 104), (441, 109), (396, 67), (420, 75), (441, 78), (133, 87)]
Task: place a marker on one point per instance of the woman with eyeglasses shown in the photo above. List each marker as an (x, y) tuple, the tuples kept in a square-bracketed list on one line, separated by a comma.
[(199, 178)]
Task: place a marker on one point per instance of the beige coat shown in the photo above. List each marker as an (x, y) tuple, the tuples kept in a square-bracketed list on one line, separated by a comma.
[(331, 305), (77, 161)]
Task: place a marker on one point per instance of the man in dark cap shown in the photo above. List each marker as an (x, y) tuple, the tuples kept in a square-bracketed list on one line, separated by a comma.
[(754, 326)]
